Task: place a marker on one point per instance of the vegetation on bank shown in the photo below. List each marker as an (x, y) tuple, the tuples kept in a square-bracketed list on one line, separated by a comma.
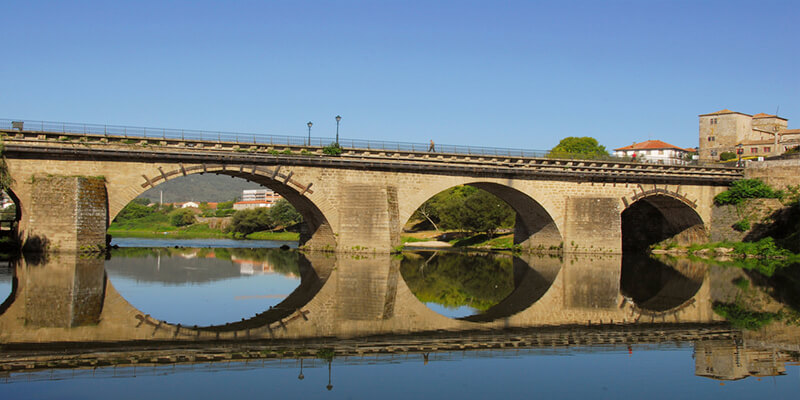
[(144, 220)]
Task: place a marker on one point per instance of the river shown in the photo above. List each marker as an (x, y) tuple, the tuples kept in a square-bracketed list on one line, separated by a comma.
[(205, 319)]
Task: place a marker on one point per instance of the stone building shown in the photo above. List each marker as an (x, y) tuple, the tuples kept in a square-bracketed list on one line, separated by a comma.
[(655, 151), (757, 135)]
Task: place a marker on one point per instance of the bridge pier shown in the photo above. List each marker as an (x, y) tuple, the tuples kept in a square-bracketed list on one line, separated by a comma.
[(592, 225), (65, 213)]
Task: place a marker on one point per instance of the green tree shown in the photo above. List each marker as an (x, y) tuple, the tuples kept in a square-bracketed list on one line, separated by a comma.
[(225, 205), (182, 217), (284, 214), (578, 147), (246, 222), (467, 208)]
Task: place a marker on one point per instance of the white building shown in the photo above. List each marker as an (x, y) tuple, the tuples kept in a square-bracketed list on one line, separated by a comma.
[(260, 194), (256, 198), (654, 151)]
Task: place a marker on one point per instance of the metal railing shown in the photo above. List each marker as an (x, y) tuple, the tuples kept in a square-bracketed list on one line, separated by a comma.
[(254, 138)]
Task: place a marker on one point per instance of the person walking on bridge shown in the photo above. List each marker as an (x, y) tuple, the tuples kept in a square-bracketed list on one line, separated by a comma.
[(432, 148)]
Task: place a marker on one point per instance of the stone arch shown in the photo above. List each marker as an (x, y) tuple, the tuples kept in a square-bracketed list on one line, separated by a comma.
[(316, 232), (534, 226), (653, 216), (17, 210)]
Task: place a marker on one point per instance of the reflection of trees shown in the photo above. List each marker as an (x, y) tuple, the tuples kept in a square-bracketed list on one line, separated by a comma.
[(453, 280), (184, 265)]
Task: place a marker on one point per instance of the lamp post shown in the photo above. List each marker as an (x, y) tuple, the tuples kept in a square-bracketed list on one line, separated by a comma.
[(739, 151), (338, 118), (309, 133)]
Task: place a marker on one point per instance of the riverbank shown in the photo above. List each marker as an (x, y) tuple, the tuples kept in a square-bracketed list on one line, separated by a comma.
[(437, 239), (201, 231)]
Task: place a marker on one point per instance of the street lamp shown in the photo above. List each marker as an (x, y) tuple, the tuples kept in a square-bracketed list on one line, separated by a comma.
[(338, 118), (309, 133), (739, 151)]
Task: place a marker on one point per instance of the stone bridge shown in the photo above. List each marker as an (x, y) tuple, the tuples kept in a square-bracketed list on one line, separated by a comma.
[(69, 187), (67, 298)]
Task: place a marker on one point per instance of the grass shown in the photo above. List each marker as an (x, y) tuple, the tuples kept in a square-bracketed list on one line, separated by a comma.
[(411, 239), (268, 235), (483, 241)]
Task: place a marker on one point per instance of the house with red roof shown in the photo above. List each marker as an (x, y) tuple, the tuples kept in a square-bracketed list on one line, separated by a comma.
[(655, 151)]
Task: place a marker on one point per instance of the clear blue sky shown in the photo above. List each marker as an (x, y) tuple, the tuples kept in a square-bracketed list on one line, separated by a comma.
[(494, 73)]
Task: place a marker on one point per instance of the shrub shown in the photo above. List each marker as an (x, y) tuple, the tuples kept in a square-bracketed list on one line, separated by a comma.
[(747, 189), (334, 149), (741, 226), (742, 318), (182, 217), (727, 155)]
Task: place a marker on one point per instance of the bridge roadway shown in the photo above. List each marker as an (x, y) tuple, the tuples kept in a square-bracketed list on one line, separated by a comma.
[(361, 199)]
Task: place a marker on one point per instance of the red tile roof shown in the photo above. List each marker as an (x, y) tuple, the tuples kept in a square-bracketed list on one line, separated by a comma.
[(651, 145), (725, 111)]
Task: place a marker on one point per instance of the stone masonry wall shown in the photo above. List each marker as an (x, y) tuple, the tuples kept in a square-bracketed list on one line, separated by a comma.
[(67, 214), (776, 173)]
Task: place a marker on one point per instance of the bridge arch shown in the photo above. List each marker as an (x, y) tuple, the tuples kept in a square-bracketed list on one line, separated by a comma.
[(534, 227), (654, 217), (316, 231)]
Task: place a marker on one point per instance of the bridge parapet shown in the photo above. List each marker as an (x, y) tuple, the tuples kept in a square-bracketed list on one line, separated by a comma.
[(69, 144)]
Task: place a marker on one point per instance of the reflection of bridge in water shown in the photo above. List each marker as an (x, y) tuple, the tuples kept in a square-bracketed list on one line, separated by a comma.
[(68, 299), (361, 305)]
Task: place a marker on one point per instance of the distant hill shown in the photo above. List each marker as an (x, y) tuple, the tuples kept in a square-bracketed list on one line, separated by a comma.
[(200, 187)]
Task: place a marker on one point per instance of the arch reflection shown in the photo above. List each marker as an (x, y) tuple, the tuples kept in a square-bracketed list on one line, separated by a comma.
[(477, 287), (210, 287), (659, 285)]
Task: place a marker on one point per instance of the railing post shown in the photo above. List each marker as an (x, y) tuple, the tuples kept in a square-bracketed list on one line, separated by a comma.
[(181, 134), (164, 133)]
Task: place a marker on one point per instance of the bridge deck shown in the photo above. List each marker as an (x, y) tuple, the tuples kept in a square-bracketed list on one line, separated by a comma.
[(42, 144)]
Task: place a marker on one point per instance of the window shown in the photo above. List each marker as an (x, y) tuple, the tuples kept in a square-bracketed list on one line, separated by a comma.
[(712, 139), (753, 150), (767, 149)]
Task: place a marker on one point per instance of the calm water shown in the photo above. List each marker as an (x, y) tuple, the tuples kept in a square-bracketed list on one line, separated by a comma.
[(429, 325)]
